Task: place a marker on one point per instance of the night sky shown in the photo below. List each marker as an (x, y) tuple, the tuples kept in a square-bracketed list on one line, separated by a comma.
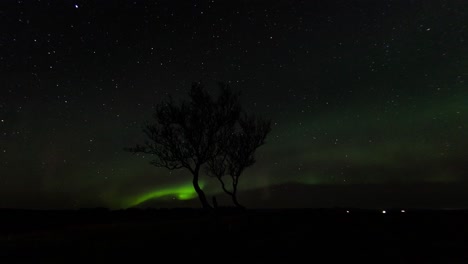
[(368, 99)]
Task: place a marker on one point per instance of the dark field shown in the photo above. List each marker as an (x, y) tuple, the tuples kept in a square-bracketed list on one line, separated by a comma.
[(226, 236)]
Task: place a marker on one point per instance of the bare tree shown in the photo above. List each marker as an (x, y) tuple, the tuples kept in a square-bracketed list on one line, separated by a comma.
[(237, 152), (188, 135)]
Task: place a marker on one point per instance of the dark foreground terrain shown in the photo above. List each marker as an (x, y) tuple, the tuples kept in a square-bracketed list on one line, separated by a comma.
[(227, 236)]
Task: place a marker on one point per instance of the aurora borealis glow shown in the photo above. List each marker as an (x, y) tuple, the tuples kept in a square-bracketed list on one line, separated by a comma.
[(183, 192), (361, 94)]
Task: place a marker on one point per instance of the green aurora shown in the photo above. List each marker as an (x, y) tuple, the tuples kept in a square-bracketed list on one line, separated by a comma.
[(397, 148), (181, 192)]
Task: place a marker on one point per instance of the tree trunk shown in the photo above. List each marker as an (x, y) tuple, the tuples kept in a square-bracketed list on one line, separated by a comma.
[(201, 194), (236, 203), (234, 200), (234, 192)]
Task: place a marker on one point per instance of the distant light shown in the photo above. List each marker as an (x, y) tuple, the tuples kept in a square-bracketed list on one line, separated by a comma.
[(76, 6), (384, 212), (403, 211), (347, 211)]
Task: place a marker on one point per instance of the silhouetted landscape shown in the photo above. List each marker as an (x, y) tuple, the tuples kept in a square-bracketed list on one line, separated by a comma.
[(243, 131)]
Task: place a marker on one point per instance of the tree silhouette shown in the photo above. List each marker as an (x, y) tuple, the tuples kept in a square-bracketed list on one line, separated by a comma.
[(189, 134), (237, 152)]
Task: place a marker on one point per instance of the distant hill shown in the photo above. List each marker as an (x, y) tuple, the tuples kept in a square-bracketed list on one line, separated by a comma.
[(295, 195)]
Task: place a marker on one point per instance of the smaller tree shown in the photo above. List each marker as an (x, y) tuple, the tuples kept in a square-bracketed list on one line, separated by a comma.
[(237, 152)]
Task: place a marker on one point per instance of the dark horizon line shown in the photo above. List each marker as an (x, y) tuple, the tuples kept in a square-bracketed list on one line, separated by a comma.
[(350, 209)]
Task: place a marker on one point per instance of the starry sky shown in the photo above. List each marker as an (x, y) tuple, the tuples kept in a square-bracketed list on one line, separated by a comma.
[(368, 99)]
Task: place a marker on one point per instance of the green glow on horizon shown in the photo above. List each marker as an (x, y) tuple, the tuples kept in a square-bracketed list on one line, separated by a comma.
[(181, 192)]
